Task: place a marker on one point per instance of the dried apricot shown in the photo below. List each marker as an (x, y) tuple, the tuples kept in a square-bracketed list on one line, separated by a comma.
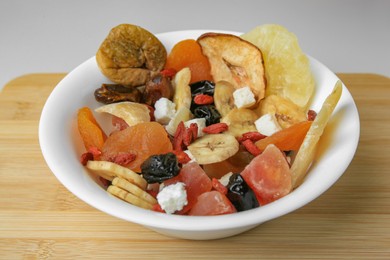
[(143, 140), (188, 53), (286, 139), (89, 129)]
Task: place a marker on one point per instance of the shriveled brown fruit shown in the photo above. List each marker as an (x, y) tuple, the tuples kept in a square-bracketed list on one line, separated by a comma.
[(130, 55), (235, 60)]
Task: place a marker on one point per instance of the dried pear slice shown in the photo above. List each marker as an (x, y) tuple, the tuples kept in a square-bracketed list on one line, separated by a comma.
[(306, 152), (235, 60)]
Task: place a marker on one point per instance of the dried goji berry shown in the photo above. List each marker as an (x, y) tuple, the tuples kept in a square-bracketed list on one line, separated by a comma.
[(178, 137), (95, 152), (251, 147), (123, 158), (182, 157), (85, 157), (218, 186), (169, 72), (151, 112), (311, 115), (194, 128), (157, 207), (187, 137), (215, 128), (253, 136), (203, 99)]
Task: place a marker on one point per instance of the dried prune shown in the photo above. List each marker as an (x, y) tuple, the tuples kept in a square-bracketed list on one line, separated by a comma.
[(112, 93), (209, 112), (161, 167), (202, 87), (240, 194)]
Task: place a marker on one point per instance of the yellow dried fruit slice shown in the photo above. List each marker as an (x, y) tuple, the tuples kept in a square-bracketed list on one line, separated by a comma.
[(131, 112), (287, 68), (306, 152)]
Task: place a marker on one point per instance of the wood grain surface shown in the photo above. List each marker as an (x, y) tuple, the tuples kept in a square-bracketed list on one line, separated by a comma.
[(40, 219)]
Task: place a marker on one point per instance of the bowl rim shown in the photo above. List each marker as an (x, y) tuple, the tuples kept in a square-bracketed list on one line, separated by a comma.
[(115, 207)]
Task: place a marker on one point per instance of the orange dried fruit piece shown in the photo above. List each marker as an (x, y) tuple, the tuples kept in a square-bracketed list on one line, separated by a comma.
[(286, 139), (89, 129), (143, 140), (188, 53)]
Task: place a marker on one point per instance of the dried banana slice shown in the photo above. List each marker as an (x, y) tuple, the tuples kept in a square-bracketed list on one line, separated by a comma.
[(223, 97), (214, 148), (112, 170), (129, 197), (240, 121), (183, 114), (182, 96), (133, 189), (131, 112), (286, 112)]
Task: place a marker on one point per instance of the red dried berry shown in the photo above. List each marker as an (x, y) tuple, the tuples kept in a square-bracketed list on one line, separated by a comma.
[(194, 128), (151, 112), (85, 157), (123, 158), (218, 186), (182, 157), (215, 128), (203, 99), (157, 208), (311, 115), (253, 136), (95, 152), (251, 147), (178, 137), (169, 73)]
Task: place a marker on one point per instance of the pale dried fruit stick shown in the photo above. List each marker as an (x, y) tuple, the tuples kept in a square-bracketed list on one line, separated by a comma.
[(133, 189), (306, 152), (182, 96), (131, 112), (128, 197), (105, 168), (223, 97)]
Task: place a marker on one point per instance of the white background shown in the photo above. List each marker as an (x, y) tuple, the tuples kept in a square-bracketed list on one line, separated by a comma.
[(56, 36)]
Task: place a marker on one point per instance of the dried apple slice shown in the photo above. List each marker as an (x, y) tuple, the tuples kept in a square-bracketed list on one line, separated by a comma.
[(235, 60), (306, 152), (132, 112)]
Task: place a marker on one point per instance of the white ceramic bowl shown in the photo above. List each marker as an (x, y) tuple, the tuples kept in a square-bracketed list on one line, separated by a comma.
[(62, 146)]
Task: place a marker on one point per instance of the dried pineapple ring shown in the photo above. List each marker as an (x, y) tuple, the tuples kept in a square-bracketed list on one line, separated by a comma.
[(287, 68)]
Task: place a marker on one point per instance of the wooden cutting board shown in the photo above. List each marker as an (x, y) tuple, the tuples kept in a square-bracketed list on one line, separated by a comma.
[(40, 219)]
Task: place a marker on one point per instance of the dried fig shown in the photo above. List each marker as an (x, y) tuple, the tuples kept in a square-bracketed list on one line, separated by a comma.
[(130, 55)]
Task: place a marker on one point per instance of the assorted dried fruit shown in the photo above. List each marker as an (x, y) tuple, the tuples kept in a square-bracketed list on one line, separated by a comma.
[(218, 126)]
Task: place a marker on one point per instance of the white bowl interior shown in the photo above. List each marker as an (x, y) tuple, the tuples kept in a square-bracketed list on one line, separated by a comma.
[(62, 146)]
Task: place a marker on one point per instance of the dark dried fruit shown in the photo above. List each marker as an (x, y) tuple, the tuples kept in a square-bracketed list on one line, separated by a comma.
[(240, 194), (202, 87), (159, 86), (209, 112), (158, 168), (113, 93)]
